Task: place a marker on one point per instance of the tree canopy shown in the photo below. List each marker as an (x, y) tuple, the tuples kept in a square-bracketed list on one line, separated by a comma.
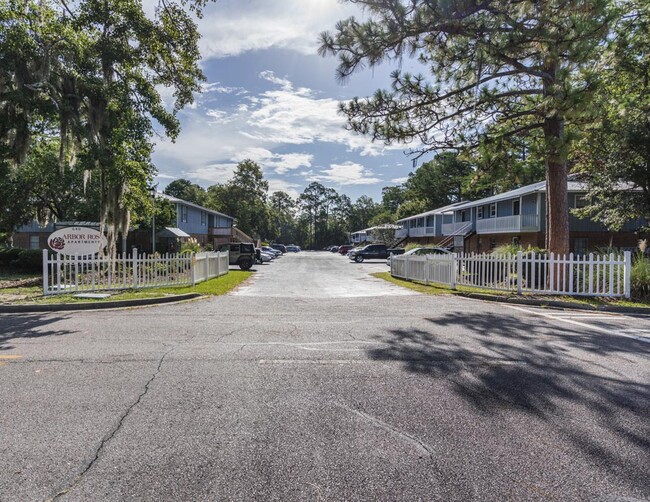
[(496, 69), (89, 71)]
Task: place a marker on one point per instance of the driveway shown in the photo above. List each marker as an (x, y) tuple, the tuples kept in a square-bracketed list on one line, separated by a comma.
[(320, 275)]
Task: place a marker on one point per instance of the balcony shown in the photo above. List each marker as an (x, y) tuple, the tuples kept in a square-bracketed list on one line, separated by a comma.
[(400, 233), (227, 231), (458, 228), (508, 224)]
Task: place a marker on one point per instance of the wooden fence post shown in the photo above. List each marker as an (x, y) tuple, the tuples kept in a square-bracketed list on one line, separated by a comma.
[(193, 268), (46, 280), (520, 272), (134, 267), (627, 274), (454, 271)]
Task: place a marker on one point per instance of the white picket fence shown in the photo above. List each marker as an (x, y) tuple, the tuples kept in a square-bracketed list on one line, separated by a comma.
[(73, 274), (579, 275)]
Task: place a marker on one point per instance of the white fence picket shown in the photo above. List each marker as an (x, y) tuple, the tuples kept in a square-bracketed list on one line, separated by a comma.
[(65, 274), (606, 275)]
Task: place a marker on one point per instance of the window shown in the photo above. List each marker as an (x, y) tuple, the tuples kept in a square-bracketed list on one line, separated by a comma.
[(479, 213), (493, 210), (580, 245), (34, 242), (184, 214), (516, 207), (493, 243), (203, 218), (580, 201), (515, 241), (463, 216)]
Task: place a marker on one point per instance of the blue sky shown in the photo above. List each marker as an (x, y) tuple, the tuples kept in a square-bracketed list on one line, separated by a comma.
[(270, 98)]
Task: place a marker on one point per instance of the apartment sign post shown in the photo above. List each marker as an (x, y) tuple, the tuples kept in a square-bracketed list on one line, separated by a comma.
[(82, 241)]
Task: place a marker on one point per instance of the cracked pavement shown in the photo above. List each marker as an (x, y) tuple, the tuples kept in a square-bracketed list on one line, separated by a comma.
[(323, 395)]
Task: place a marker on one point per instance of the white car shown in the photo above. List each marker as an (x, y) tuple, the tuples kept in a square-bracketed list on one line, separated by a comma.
[(271, 251), (422, 252)]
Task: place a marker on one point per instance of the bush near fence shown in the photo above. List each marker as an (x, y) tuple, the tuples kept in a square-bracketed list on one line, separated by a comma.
[(22, 260)]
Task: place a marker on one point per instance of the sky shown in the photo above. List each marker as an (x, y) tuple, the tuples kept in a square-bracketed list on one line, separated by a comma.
[(270, 98)]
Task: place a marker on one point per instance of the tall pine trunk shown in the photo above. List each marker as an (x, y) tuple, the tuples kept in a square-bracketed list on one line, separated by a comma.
[(557, 202)]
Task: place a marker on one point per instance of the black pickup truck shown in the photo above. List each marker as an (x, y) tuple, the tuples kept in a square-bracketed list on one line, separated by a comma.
[(373, 252)]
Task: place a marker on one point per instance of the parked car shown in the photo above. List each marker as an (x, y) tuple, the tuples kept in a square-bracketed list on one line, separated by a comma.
[(373, 252), (266, 257), (345, 248), (240, 253), (279, 247), (421, 252), (334, 249), (293, 249), (274, 252)]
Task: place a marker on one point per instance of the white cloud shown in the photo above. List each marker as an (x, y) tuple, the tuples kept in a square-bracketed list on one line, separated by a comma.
[(280, 185), (400, 180), (295, 116), (279, 163), (229, 28), (348, 173)]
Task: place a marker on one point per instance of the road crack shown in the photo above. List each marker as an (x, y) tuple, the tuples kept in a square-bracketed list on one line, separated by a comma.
[(112, 433), (422, 448)]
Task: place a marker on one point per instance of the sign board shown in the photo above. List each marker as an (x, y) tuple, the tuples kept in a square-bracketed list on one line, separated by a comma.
[(76, 240)]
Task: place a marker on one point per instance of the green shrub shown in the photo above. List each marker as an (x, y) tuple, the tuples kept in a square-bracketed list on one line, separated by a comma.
[(191, 246), (640, 277), (25, 260), (9, 255), (514, 249)]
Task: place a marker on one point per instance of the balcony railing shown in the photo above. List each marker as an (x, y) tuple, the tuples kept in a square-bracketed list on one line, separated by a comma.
[(458, 228), (220, 230), (507, 224), (400, 233)]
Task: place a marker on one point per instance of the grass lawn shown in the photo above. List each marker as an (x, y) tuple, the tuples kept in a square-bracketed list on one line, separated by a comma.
[(213, 287), (433, 289)]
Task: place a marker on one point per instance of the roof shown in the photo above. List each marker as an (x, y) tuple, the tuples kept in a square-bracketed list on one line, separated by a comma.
[(574, 184), (176, 200), (172, 232), (387, 225), (439, 210)]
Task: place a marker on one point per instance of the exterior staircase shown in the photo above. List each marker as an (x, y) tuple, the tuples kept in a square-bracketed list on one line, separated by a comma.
[(448, 241)]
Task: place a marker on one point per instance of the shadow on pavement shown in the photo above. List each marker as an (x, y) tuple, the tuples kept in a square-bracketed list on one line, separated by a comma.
[(28, 326), (588, 387)]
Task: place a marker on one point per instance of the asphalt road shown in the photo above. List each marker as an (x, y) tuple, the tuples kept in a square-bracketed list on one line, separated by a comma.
[(324, 394)]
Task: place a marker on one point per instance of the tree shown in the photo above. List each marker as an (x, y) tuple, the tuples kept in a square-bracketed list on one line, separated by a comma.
[(314, 201), (282, 211), (392, 198), (362, 211), (38, 189), (439, 182), (244, 197), (90, 70), (504, 165), (499, 68), (615, 151), (186, 190)]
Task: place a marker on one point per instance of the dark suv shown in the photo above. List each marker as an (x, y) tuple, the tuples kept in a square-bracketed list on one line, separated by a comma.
[(279, 247), (240, 253)]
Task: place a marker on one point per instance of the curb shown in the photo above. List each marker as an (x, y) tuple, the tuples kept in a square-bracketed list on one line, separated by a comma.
[(555, 304), (57, 307)]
